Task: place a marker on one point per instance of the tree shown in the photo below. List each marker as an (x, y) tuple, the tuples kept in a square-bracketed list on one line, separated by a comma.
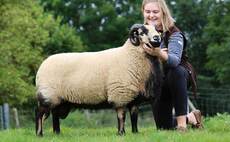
[(18, 60), (102, 24), (27, 36), (217, 33)]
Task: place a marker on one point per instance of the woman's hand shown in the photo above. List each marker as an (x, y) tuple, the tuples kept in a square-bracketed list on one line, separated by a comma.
[(162, 53)]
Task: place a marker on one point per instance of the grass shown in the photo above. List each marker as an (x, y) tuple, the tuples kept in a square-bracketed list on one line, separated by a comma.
[(217, 129)]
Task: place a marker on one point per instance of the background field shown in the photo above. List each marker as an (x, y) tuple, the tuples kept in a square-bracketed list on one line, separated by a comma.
[(100, 128)]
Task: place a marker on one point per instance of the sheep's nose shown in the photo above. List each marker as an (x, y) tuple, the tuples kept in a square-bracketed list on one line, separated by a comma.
[(156, 41)]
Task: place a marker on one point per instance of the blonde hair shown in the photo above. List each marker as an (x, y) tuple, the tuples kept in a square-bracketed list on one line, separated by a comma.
[(167, 21)]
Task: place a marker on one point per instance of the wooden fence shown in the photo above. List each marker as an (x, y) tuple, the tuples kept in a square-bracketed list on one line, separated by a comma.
[(5, 116)]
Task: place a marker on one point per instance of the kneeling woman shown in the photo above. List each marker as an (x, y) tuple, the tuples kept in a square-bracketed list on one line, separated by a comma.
[(174, 91)]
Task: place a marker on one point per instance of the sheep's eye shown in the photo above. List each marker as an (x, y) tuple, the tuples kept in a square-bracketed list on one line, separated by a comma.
[(142, 33)]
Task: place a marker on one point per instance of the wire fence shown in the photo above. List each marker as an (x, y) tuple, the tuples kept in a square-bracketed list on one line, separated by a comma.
[(209, 100), (212, 101)]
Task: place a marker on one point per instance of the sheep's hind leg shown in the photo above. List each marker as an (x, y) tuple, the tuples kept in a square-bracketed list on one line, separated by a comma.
[(121, 120), (134, 117), (41, 113)]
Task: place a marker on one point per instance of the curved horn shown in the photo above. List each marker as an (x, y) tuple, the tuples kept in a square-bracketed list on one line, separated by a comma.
[(133, 34)]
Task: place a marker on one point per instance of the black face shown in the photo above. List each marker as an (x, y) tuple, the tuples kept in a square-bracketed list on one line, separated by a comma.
[(156, 41), (144, 30), (144, 34)]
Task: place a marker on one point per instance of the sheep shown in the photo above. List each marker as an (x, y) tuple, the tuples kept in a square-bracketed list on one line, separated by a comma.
[(118, 78)]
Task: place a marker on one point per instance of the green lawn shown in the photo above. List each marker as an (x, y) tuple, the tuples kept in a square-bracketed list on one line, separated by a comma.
[(217, 129)]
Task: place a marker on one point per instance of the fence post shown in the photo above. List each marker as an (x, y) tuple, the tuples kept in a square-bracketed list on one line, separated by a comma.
[(6, 116), (15, 115), (1, 117), (191, 105)]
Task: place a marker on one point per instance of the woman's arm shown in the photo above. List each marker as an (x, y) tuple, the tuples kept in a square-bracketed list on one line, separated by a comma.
[(172, 54), (175, 49)]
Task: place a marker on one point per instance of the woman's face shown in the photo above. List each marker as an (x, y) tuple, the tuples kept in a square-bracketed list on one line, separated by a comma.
[(152, 14)]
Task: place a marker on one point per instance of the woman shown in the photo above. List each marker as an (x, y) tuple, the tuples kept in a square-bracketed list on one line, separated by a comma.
[(174, 91)]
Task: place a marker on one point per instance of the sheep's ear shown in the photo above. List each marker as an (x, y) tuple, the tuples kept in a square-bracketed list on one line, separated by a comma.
[(134, 35)]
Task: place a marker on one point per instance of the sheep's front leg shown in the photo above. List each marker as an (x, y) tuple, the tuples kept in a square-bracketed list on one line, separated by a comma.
[(134, 117), (56, 121), (121, 120)]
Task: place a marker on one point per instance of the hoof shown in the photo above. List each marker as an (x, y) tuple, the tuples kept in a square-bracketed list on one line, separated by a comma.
[(135, 132), (121, 133)]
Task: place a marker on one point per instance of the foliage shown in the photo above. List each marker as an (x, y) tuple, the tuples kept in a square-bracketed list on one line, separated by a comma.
[(62, 38), (217, 33), (20, 50), (27, 36), (102, 24)]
